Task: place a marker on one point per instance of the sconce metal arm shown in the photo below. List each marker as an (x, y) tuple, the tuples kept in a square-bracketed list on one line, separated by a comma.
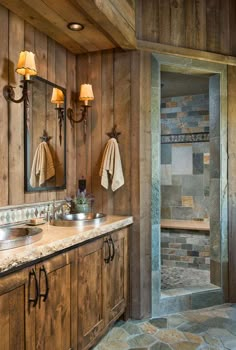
[(84, 112), (9, 93)]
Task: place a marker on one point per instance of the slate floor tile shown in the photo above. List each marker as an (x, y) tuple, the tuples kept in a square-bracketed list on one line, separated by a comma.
[(213, 328)]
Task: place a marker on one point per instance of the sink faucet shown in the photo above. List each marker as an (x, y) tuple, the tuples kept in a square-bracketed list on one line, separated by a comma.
[(64, 206)]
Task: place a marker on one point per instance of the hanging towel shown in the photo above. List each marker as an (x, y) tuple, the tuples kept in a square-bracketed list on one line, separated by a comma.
[(42, 167), (111, 165)]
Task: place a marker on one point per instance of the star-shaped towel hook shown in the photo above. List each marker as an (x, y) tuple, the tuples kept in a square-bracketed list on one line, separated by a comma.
[(114, 133)]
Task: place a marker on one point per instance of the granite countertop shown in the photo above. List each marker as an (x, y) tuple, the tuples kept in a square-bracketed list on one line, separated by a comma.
[(55, 239)]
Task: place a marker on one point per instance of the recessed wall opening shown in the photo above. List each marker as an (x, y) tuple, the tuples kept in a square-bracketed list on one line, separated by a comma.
[(189, 184), (185, 183)]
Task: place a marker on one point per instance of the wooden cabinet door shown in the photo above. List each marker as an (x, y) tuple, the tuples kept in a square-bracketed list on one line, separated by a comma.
[(90, 292), (56, 311), (16, 314), (116, 277)]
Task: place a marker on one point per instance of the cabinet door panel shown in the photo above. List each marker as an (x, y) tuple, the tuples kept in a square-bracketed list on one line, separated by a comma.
[(115, 281), (15, 325), (54, 315), (90, 296)]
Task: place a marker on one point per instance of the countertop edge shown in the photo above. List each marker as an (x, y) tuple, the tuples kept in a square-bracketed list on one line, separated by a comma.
[(14, 259)]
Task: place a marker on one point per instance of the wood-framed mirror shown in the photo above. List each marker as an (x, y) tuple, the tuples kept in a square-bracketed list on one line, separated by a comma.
[(45, 137)]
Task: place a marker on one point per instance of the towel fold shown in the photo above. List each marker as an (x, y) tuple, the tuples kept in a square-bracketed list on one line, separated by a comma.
[(111, 165), (42, 168)]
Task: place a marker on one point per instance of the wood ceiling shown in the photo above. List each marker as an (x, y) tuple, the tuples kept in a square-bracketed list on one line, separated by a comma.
[(107, 23)]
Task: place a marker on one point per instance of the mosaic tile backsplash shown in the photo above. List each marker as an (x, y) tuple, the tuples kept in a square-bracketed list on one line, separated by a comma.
[(185, 177), (22, 213)]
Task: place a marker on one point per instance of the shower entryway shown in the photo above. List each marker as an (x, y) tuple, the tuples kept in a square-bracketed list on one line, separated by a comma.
[(189, 178)]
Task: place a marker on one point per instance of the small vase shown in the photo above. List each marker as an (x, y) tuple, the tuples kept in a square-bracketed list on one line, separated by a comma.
[(82, 208)]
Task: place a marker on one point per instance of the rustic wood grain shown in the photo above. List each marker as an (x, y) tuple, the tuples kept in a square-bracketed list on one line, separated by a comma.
[(122, 120), (14, 317), (90, 292), (16, 115), (96, 129), (107, 117), (81, 146), (3, 107), (71, 158)]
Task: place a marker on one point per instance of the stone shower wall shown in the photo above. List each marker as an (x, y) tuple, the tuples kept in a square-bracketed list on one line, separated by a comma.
[(185, 166), (189, 249)]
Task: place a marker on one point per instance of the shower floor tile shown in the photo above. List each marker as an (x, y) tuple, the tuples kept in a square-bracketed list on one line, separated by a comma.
[(180, 277)]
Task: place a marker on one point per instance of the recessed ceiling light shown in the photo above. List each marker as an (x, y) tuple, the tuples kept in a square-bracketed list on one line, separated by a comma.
[(75, 26)]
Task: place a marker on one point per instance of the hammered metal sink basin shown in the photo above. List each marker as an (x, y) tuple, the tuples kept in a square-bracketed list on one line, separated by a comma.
[(79, 219), (12, 237)]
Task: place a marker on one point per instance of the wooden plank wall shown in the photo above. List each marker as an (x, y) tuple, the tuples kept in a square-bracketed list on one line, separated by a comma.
[(54, 63), (207, 25), (116, 77)]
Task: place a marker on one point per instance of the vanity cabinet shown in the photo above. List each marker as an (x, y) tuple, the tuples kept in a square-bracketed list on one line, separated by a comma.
[(102, 285), (36, 306), (66, 302), (15, 325)]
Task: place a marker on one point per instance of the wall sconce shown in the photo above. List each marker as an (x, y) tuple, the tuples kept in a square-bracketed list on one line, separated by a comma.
[(26, 67), (86, 94), (58, 99)]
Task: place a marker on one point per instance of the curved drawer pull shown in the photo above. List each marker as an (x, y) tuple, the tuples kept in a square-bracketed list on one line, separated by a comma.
[(43, 295), (34, 300), (113, 249), (107, 259)]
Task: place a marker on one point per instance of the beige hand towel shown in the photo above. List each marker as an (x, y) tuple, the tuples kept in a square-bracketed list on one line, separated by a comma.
[(111, 165), (42, 167)]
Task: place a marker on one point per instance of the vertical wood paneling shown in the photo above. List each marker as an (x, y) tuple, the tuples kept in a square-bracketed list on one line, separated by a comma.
[(190, 21), (96, 128), (16, 118), (107, 117), (60, 76), (122, 119), (3, 107), (50, 124), (200, 6), (213, 25), (165, 25), (17, 35), (81, 147), (71, 159), (29, 46), (41, 61), (232, 179), (177, 22), (198, 24)]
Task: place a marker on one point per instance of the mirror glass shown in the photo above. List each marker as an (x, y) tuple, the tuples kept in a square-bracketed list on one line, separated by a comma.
[(45, 137)]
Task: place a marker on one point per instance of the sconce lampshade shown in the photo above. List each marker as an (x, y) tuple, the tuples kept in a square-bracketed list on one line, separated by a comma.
[(26, 64), (57, 96), (86, 93)]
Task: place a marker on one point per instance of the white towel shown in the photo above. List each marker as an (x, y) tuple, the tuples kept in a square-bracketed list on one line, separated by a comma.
[(111, 164), (42, 167)]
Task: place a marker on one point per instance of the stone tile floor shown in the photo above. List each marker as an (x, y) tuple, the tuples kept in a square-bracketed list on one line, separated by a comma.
[(212, 328)]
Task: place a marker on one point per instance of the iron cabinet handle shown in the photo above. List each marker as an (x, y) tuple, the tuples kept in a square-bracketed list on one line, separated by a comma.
[(32, 275), (43, 271), (113, 248), (107, 259)]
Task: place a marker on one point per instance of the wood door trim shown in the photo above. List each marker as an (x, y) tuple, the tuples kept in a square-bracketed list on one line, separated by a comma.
[(186, 52)]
